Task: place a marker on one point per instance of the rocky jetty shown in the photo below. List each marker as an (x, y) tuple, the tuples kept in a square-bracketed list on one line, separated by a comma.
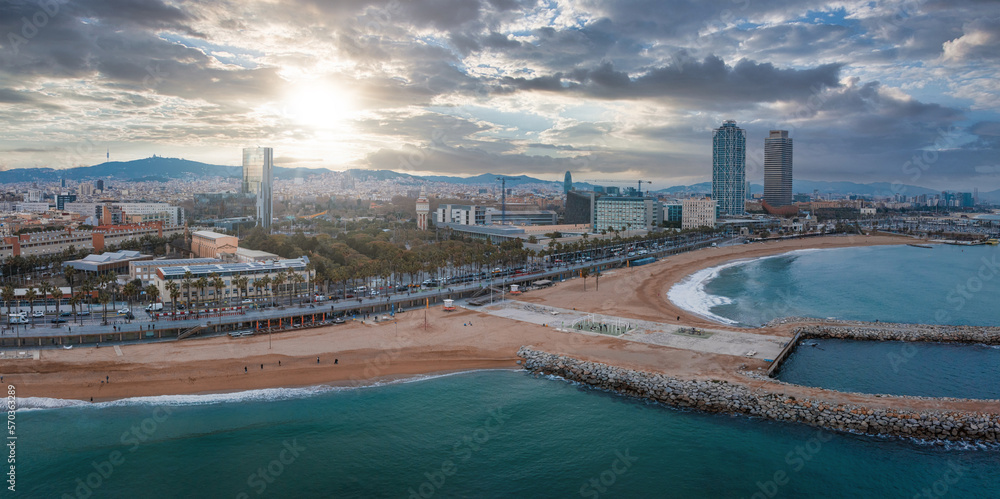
[(902, 332), (724, 397)]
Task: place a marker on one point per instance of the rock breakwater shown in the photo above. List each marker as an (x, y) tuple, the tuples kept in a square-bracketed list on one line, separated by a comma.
[(720, 396)]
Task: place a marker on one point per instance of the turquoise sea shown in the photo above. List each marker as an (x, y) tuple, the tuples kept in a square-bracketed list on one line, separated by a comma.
[(477, 434), (943, 285), (897, 368)]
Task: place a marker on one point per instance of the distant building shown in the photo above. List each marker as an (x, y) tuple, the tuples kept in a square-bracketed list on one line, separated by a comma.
[(493, 216), (244, 255), (258, 163), (62, 199), (33, 196), (86, 189), (99, 185), (673, 212), (568, 182), (225, 205), (729, 168), (580, 207), (423, 210), (208, 244), (460, 214), (778, 168), (26, 207), (627, 213), (115, 213), (698, 212)]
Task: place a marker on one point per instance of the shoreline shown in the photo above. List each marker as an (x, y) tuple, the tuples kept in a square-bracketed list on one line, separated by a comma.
[(448, 342)]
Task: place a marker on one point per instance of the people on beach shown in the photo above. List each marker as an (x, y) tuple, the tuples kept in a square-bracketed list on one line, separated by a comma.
[(317, 360), (244, 369), (336, 361)]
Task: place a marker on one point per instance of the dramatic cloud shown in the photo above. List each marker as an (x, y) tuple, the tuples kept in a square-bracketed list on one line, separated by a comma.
[(630, 88)]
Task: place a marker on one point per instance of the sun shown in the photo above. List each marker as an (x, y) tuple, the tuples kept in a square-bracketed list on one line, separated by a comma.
[(318, 105)]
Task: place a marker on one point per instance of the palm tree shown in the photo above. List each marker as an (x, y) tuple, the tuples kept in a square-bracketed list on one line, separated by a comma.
[(44, 288), (218, 283), (188, 280), (277, 280), (187, 285), (104, 298), (298, 280), (57, 295), (241, 283), (7, 293), (70, 274), (201, 284), (152, 292), (31, 295), (75, 300), (262, 285), (175, 292), (584, 273), (130, 290)]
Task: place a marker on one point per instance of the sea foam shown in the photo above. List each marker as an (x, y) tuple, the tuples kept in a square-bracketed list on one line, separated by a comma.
[(257, 395)]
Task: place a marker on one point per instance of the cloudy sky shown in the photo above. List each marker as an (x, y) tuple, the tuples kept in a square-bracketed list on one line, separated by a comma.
[(891, 91)]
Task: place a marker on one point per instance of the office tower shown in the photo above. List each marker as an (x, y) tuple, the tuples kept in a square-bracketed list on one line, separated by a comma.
[(64, 182), (258, 163), (778, 168), (99, 185), (62, 199), (568, 183), (729, 158)]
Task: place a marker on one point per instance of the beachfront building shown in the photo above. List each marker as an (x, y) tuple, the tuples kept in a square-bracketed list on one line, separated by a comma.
[(145, 270), (230, 291), (624, 213), (116, 263), (778, 168), (258, 180), (208, 244), (698, 212), (729, 157)]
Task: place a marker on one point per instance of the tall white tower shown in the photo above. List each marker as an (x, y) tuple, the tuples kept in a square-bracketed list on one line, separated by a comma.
[(423, 209)]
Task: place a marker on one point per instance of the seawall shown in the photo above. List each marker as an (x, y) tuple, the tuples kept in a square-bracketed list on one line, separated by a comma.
[(719, 396)]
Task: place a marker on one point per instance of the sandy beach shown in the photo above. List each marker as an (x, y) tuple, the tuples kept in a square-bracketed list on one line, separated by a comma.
[(418, 342)]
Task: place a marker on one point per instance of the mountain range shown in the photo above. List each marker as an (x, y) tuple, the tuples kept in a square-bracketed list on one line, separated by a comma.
[(162, 169)]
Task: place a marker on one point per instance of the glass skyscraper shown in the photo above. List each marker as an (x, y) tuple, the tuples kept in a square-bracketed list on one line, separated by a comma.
[(258, 180), (729, 159), (778, 168)]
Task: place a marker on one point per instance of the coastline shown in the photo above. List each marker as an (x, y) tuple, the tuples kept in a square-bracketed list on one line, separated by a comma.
[(448, 342)]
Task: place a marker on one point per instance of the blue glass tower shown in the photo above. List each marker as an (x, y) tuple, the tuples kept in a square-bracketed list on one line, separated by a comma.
[(729, 160)]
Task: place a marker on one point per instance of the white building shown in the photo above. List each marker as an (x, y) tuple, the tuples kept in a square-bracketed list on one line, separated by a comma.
[(698, 212), (624, 213)]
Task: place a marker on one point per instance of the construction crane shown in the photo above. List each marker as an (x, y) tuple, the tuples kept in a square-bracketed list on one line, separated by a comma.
[(639, 183)]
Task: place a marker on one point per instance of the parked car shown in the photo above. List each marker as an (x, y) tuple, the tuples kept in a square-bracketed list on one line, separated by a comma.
[(246, 301), (65, 313), (338, 320), (38, 314), (83, 313), (58, 320), (124, 311)]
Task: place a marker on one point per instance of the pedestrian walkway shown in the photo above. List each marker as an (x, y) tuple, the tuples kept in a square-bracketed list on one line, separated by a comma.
[(718, 341)]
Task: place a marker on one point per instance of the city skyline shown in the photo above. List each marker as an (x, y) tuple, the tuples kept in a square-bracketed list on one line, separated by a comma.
[(895, 92)]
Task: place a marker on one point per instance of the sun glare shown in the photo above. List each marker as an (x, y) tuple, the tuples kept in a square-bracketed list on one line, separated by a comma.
[(319, 106)]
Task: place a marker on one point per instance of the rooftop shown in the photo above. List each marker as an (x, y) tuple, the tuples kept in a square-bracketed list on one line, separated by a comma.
[(207, 234), (235, 268)]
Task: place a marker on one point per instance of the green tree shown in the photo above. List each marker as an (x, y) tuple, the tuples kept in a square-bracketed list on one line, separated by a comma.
[(8, 296), (31, 295)]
